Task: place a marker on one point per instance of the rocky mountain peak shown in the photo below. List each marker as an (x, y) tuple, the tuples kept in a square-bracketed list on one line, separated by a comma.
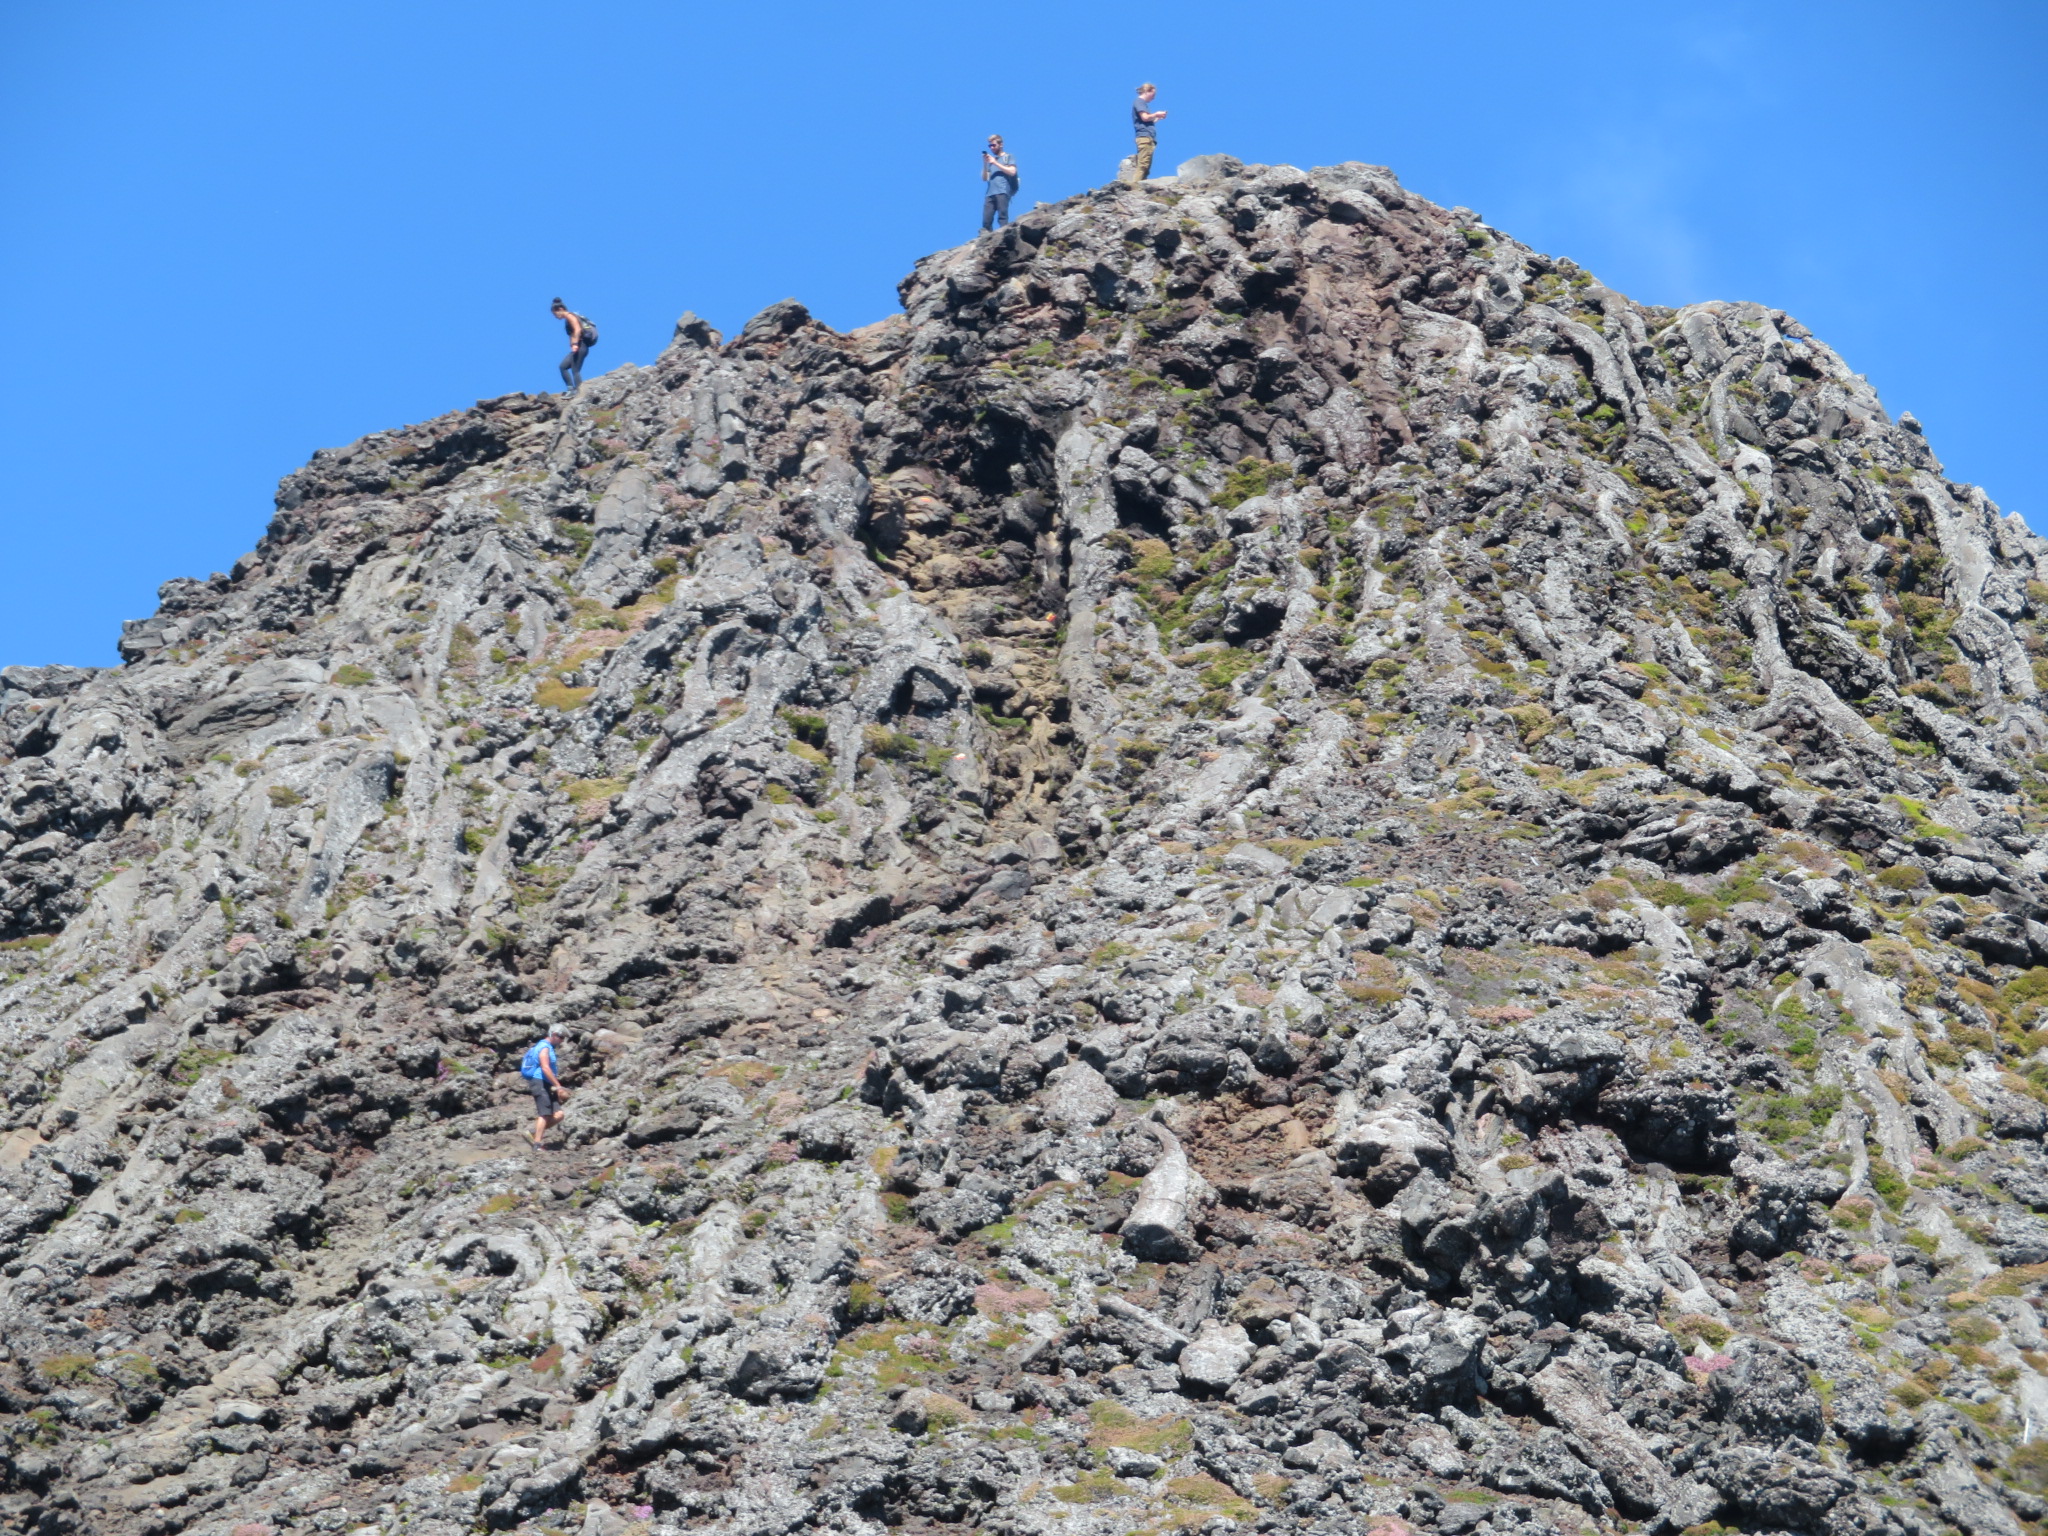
[(1274, 863)]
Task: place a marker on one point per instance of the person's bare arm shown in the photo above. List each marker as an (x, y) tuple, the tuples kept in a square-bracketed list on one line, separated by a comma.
[(547, 1060)]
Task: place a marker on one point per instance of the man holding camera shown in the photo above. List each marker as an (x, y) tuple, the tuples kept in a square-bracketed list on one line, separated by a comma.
[(999, 172)]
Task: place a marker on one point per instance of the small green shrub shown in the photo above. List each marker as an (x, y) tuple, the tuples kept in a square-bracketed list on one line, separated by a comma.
[(896, 746), (864, 1303), (1532, 722), (2028, 1466), (553, 693), (61, 1370), (810, 729), (1706, 1330), (1154, 559), (193, 1061), (585, 792), (1250, 477), (580, 535), (1974, 1328), (1097, 1487), (1226, 667)]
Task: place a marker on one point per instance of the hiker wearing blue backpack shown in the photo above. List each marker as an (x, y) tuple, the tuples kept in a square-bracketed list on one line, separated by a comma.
[(538, 1068)]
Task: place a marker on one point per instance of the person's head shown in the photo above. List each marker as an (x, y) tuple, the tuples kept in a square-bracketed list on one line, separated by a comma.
[(558, 307), (995, 141), (555, 1030), (1147, 91)]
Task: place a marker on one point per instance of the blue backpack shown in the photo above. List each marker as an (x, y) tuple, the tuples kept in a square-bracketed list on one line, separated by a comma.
[(529, 1066)]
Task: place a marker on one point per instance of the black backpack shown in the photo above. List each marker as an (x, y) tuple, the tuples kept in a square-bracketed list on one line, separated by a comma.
[(589, 332)]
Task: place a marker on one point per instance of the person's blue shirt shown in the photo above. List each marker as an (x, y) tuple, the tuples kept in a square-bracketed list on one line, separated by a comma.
[(1002, 175)]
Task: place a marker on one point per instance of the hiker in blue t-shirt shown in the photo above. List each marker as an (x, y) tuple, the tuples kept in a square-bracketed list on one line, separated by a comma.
[(1145, 128), (538, 1068), (1000, 172)]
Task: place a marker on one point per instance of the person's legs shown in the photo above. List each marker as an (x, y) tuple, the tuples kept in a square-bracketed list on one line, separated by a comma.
[(988, 211), (545, 1115), (1002, 209), (572, 367), (1142, 161)]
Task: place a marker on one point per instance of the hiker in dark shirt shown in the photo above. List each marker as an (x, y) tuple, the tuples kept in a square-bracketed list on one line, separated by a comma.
[(1144, 123), (999, 171), (581, 334)]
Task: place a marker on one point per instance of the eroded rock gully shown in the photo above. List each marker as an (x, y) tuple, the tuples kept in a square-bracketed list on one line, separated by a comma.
[(1272, 864)]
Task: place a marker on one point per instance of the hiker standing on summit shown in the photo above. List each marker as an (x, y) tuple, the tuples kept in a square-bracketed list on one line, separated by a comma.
[(999, 171), (1144, 123), (582, 336)]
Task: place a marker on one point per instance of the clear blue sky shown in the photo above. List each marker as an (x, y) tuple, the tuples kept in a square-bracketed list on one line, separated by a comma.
[(238, 232)]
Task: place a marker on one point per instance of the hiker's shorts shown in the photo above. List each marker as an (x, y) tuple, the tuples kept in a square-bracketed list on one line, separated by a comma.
[(543, 1101)]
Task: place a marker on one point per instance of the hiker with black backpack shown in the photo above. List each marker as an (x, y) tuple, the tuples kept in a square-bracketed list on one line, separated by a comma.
[(582, 337), (538, 1068), (999, 171)]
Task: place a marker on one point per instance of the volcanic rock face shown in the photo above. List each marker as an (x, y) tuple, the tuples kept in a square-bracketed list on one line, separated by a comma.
[(1274, 863)]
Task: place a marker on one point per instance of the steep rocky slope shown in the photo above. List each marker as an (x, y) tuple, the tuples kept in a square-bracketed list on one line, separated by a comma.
[(1273, 864)]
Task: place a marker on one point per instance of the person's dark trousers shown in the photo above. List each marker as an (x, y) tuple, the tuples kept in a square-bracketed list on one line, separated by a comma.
[(572, 366), (995, 210)]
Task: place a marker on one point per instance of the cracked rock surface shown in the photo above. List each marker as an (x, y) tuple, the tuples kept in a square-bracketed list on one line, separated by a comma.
[(1273, 864)]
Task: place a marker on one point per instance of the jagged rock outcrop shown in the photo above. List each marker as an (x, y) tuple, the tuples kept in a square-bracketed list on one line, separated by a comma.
[(1273, 863)]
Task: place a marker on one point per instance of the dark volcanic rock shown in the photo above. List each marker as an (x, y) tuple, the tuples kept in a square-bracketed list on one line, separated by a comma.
[(1272, 863)]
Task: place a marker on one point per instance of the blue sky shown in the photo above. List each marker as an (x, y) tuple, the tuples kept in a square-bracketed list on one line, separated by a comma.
[(242, 231)]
